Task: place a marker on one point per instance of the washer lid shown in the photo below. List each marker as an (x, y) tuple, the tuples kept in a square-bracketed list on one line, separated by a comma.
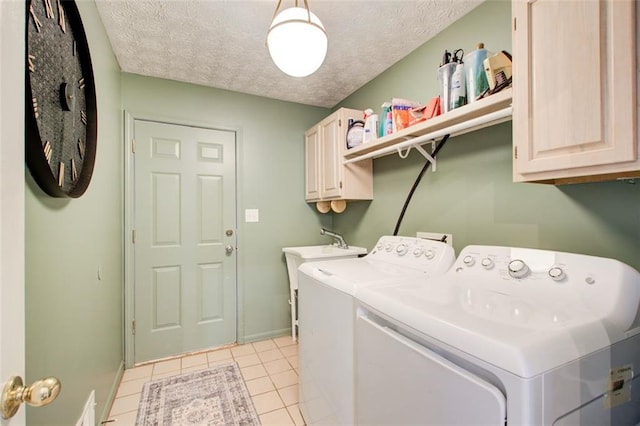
[(526, 325), (347, 275)]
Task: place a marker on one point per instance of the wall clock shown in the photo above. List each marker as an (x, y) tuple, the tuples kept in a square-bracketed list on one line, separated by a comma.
[(61, 116)]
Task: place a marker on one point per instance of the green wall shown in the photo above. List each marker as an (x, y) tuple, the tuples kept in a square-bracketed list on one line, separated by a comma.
[(471, 195), (270, 174), (74, 326), (74, 321)]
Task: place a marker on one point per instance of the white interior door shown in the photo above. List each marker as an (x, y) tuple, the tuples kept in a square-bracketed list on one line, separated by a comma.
[(184, 250), (12, 341)]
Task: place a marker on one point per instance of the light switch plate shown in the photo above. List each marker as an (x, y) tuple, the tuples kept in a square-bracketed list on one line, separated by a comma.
[(252, 215)]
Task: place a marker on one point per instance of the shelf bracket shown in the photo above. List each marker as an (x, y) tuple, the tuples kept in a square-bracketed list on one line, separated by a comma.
[(422, 151), (428, 156)]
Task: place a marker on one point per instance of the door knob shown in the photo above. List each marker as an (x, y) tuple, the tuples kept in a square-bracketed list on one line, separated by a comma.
[(14, 393), (228, 249)]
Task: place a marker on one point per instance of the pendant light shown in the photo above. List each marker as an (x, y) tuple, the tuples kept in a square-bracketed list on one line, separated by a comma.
[(297, 40)]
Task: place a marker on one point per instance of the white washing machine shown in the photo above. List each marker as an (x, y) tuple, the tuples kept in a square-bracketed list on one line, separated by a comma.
[(326, 317), (506, 337)]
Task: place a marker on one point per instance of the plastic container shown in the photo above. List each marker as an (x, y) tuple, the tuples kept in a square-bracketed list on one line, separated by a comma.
[(386, 126), (370, 126), (476, 78), (355, 133), (445, 73), (458, 87)]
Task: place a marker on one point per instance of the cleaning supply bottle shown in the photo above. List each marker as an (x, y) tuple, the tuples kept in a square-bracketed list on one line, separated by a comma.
[(445, 72), (476, 77), (386, 127), (370, 126), (458, 87)]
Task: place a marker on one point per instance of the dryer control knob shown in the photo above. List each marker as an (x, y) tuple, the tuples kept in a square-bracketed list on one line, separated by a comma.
[(557, 274), (468, 261), (388, 247), (402, 249), (487, 263), (417, 252), (429, 254), (380, 246), (518, 269)]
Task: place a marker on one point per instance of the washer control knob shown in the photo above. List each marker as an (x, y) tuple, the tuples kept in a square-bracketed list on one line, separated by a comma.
[(402, 249), (417, 252), (380, 246), (518, 269), (487, 263), (429, 254), (557, 274), (388, 247), (468, 261)]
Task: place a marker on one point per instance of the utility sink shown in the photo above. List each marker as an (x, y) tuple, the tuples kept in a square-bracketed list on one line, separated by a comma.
[(309, 253), (296, 256)]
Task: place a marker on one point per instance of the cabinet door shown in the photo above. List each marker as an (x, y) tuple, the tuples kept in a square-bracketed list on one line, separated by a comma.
[(574, 87), (312, 161), (331, 154)]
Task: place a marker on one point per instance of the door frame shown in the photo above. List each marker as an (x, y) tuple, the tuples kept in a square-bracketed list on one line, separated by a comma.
[(12, 201), (129, 215)]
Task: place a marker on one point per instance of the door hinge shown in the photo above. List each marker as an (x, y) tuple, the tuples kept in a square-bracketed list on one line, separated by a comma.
[(133, 236), (340, 184), (133, 146), (339, 122), (515, 152), (133, 327)]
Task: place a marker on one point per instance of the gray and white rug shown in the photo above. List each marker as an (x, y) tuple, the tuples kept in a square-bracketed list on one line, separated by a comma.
[(217, 396)]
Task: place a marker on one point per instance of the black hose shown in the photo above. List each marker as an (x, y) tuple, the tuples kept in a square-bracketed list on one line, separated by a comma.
[(415, 184)]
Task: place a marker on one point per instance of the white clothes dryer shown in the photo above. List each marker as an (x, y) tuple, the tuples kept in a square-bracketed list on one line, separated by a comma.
[(506, 337), (326, 315)]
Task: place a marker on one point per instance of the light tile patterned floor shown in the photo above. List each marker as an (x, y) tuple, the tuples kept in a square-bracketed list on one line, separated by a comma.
[(269, 368)]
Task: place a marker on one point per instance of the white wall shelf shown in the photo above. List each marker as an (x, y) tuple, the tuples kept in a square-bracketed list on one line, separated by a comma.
[(486, 112)]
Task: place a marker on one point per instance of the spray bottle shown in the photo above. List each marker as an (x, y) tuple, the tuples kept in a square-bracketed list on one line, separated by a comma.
[(370, 126), (458, 87), (386, 127)]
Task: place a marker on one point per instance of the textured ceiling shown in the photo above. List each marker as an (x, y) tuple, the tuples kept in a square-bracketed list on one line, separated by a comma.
[(222, 43)]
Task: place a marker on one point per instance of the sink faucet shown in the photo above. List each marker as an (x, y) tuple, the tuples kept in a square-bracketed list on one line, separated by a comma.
[(339, 240)]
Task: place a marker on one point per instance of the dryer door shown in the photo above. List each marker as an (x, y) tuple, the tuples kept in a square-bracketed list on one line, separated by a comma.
[(399, 381)]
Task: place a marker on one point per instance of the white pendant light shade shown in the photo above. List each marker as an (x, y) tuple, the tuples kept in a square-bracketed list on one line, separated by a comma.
[(298, 47)]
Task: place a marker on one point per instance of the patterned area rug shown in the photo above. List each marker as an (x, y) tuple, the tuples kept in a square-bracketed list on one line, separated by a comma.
[(217, 396)]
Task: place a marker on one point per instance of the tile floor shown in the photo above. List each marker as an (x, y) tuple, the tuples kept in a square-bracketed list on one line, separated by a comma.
[(269, 368)]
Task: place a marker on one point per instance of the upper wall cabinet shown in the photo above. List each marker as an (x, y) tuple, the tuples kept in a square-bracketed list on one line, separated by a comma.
[(574, 99), (326, 178)]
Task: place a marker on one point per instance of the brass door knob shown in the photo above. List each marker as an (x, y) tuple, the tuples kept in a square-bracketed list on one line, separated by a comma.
[(14, 393)]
